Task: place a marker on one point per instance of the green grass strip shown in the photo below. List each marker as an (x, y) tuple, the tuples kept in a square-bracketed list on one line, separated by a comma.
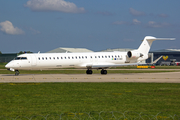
[(28, 99)]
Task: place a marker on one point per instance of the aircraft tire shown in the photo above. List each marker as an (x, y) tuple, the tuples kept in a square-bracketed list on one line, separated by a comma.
[(16, 72), (89, 72), (104, 72)]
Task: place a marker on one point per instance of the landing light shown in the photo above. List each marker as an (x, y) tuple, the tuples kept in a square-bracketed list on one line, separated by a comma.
[(11, 69)]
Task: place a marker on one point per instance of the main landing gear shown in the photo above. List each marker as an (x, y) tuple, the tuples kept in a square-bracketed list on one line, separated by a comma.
[(89, 71), (16, 72), (103, 72)]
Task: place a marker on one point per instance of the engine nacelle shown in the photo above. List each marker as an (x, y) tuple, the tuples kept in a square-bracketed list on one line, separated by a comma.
[(134, 54)]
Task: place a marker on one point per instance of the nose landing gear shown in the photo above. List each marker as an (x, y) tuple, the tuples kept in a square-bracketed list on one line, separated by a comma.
[(16, 72)]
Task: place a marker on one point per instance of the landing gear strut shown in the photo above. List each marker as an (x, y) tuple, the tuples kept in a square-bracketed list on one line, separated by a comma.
[(104, 72), (16, 72), (89, 71)]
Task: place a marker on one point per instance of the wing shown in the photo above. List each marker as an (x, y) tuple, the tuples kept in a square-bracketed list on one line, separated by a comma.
[(94, 66)]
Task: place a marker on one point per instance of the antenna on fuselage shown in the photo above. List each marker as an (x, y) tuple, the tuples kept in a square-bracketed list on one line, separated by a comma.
[(38, 52)]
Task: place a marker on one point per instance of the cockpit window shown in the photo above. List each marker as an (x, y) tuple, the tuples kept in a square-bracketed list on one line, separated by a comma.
[(20, 58), (17, 58), (23, 58)]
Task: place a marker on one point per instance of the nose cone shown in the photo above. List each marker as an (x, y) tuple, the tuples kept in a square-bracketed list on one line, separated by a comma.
[(9, 65)]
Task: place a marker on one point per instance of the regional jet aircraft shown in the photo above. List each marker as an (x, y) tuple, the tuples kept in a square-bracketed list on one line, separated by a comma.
[(89, 61)]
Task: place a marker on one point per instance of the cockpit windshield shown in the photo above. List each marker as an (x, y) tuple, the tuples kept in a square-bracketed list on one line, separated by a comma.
[(20, 58)]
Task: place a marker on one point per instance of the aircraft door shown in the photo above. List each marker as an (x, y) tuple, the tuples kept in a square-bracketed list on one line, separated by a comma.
[(33, 61)]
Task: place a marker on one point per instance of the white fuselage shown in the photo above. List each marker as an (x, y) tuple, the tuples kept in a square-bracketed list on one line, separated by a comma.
[(94, 60), (66, 60)]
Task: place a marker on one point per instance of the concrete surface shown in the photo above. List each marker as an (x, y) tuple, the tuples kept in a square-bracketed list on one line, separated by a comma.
[(167, 77)]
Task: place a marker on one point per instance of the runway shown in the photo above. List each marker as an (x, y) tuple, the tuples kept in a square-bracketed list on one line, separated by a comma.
[(166, 77)]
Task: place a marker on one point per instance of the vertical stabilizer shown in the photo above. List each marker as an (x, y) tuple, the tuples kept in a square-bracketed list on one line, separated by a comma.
[(147, 42)]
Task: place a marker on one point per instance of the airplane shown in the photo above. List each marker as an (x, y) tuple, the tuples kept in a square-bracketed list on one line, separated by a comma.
[(89, 61)]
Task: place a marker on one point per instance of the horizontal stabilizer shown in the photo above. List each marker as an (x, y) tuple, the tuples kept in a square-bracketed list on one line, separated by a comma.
[(153, 38)]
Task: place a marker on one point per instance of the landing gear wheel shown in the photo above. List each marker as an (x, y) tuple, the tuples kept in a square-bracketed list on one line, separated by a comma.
[(16, 72), (104, 72), (89, 72)]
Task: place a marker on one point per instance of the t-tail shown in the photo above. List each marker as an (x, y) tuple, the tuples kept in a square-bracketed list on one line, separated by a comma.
[(143, 50)]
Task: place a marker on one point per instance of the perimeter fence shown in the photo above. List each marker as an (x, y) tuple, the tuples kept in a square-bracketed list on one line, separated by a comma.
[(97, 116)]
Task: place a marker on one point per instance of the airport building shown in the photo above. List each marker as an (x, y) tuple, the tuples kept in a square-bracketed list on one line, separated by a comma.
[(166, 56), (69, 50), (118, 49)]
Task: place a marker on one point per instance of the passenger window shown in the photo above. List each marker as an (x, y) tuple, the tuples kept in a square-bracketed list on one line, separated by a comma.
[(46, 58), (109, 56), (61, 57), (91, 56), (68, 57), (42, 58), (39, 58), (72, 57), (50, 58), (115, 56), (112, 56), (79, 57), (105, 56), (76, 57), (64, 57), (82, 57), (102, 57), (57, 57), (95, 56), (86, 57), (98, 56), (54, 58)]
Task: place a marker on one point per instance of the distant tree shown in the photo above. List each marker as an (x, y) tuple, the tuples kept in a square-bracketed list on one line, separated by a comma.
[(0, 52), (22, 52), (29, 52)]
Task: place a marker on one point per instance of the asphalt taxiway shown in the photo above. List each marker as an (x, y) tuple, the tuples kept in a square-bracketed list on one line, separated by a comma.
[(166, 77)]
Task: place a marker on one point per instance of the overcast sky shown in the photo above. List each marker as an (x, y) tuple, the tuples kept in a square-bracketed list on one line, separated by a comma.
[(43, 25)]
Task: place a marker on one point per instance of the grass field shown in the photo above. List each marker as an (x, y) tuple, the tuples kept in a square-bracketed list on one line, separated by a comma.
[(2, 65), (27, 99)]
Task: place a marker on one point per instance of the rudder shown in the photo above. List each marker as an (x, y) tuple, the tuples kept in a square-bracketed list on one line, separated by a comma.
[(147, 42)]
